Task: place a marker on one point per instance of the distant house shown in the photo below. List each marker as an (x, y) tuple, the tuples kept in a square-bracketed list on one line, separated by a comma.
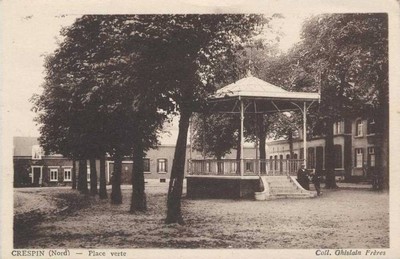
[(32, 167), (356, 145)]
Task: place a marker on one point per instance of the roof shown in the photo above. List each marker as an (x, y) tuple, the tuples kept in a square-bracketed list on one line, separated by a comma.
[(23, 145), (265, 96)]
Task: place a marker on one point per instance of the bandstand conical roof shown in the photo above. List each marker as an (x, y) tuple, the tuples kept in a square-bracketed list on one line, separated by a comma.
[(258, 96)]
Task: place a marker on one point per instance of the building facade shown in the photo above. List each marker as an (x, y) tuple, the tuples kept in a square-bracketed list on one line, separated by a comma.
[(356, 147), (34, 168)]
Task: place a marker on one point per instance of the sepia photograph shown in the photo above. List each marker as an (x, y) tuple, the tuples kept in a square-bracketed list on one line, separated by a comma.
[(177, 132)]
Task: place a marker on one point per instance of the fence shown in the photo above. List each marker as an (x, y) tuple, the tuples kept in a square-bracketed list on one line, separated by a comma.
[(231, 167)]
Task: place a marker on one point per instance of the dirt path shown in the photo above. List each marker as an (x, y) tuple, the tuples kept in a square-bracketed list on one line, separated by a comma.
[(338, 219)]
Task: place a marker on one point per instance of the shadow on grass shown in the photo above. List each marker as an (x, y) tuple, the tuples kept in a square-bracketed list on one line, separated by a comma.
[(26, 224)]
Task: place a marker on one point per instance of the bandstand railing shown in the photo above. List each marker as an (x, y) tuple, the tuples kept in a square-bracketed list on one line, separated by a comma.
[(252, 167)]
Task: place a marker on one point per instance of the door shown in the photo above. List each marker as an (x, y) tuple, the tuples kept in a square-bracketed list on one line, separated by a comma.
[(37, 172)]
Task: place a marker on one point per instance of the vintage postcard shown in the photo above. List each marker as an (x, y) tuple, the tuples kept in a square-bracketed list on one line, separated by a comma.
[(229, 129)]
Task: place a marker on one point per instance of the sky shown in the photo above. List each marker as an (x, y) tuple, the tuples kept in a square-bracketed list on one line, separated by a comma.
[(36, 35)]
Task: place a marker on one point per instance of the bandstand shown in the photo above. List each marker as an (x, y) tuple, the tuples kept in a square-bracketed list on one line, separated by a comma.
[(231, 178)]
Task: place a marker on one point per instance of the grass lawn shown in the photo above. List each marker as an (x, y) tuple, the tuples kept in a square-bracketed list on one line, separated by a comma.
[(61, 218)]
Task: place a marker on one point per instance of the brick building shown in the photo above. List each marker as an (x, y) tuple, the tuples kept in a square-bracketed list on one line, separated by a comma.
[(34, 168), (356, 145)]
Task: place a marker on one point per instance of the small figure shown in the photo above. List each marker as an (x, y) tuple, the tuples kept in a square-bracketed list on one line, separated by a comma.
[(316, 180), (377, 181), (302, 177)]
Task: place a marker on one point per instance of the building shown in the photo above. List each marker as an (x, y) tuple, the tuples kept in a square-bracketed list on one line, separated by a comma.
[(32, 167), (356, 145)]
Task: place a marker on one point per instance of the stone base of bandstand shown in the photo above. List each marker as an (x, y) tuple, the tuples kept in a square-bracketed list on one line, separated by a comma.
[(222, 187)]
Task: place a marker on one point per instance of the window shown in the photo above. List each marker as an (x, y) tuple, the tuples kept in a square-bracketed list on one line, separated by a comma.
[(37, 152), (358, 157), (162, 165), (67, 174), (338, 156), (311, 158), (359, 128), (371, 156), (146, 165), (53, 175), (371, 130), (338, 127)]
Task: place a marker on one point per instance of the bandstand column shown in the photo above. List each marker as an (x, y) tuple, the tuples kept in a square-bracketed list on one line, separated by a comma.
[(191, 144)]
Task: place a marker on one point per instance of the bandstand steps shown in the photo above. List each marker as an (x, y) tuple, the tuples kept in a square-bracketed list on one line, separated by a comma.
[(283, 187)]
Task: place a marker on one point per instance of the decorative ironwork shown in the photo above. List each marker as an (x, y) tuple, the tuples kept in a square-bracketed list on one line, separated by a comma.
[(251, 167)]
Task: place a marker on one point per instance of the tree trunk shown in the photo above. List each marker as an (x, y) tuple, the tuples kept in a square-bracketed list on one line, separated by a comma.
[(238, 149), (82, 176), (93, 177), (174, 213), (330, 157), (116, 194), (138, 201), (220, 164), (384, 152), (103, 190), (74, 174), (382, 122)]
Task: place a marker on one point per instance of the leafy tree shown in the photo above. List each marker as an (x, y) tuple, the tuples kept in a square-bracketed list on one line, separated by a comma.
[(214, 134), (95, 75), (183, 51), (346, 56), (251, 59), (285, 125), (351, 52), (215, 37), (66, 112), (262, 58)]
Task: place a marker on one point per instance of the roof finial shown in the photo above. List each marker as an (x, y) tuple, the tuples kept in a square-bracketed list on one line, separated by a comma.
[(249, 72), (249, 67)]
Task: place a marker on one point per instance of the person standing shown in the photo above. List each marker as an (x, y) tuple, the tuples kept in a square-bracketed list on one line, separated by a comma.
[(316, 180), (302, 177)]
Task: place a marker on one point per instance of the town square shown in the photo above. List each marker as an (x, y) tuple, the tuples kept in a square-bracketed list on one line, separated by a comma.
[(223, 131)]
